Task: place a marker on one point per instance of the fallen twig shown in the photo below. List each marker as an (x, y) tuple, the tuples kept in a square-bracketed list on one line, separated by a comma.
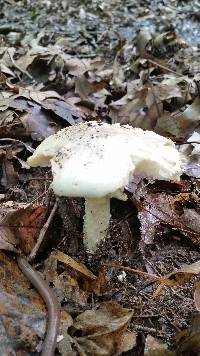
[(164, 67), (132, 270), (20, 69), (42, 234)]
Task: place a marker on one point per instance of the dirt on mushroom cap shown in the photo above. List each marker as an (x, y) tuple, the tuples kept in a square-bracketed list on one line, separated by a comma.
[(97, 159)]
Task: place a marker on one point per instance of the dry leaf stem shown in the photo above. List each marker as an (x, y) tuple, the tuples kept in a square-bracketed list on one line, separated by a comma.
[(137, 271)]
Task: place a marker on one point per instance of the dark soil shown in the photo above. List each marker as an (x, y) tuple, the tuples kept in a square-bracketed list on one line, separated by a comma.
[(90, 29)]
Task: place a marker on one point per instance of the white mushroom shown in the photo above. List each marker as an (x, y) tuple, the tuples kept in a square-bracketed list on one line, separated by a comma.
[(97, 160)]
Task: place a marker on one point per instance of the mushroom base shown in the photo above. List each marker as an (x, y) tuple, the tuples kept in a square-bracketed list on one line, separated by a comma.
[(96, 222)]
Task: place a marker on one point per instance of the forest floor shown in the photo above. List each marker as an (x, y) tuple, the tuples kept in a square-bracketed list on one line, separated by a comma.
[(128, 62)]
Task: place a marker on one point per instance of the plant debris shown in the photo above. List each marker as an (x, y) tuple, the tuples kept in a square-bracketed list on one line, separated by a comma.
[(69, 62)]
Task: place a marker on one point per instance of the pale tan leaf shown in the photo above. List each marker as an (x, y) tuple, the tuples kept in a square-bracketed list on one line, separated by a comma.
[(102, 329), (179, 277), (70, 262)]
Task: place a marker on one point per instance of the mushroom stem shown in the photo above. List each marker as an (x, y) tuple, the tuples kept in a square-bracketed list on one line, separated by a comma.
[(96, 221)]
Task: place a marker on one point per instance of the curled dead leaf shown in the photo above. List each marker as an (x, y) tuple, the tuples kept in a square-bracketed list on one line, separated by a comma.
[(102, 329), (180, 124), (20, 224), (178, 277), (154, 347), (188, 341), (70, 262)]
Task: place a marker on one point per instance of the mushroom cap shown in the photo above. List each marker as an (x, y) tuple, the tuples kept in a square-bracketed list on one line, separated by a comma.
[(98, 159)]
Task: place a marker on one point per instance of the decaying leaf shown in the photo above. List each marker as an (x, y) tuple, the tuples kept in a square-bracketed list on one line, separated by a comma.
[(181, 124), (38, 124), (9, 176), (97, 286), (8, 240), (167, 40), (20, 225), (9, 151), (102, 329), (188, 341), (77, 266), (128, 342), (179, 277), (70, 113), (157, 209), (67, 284), (27, 224), (154, 347), (191, 151), (128, 110), (42, 113), (148, 80), (7, 117)]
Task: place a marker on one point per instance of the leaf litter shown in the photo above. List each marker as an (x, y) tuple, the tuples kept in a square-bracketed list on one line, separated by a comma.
[(113, 64)]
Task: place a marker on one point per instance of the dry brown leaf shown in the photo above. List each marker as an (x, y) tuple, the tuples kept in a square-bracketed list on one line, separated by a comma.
[(157, 209), (67, 285), (8, 240), (20, 225), (154, 347), (77, 266), (42, 113), (7, 53), (38, 124), (76, 66), (7, 117), (97, 286), (163, 41), (128, 342), (118, 74), (26, 224), (9, 176), (102, 329), (68, 112), (84, 87), (4, 69), (162, 92), (188, 341), (178, 277), (181, 124), (191, 152), (129, 111), (20, 101), (152, 115), (40, 96)]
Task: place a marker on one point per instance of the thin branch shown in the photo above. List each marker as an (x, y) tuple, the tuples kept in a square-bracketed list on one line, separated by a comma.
[(137, 271), (42, 234), (164, 67), (20, 69), (155, 99)]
